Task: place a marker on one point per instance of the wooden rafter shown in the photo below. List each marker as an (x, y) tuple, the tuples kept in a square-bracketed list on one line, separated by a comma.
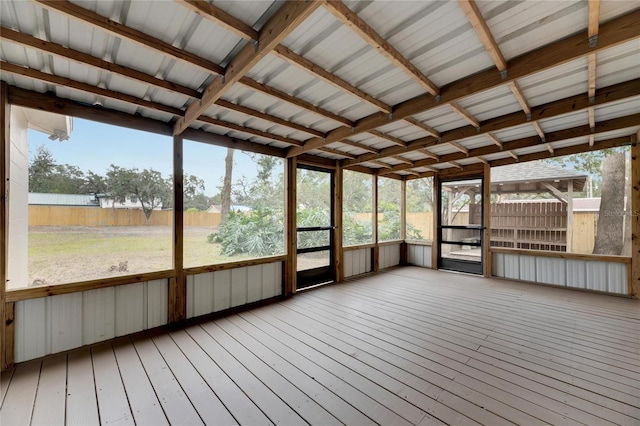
[(592, 140), (538, 129), (591, 65), (402, 159), (559, 195), (337, 152), (604, 126), (519, 95), (612, 33), (478, 23), (592, 117), (248, 130), (466, 115), (594, 21), (279, 94), (359, 146), (360, 27), (459, 147), (540, 112), (456, 164), (300, 61), (267, 117), (285, 20), (122, 31), (513, 155), (220, 17), (483, 160), (430, 130), (429, 154), (493, 138), (381, 164), (387, 137)]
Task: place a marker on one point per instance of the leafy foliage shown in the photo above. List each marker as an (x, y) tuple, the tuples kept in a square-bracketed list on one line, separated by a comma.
[(256, 233)]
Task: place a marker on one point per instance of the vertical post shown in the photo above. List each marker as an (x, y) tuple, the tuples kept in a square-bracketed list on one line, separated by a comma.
[(337, 235), (635, 218), (178, 284), (570, 216), (6, 358), (403, 221), (290, 234), (486, 216), (374, 209), (435, 241)]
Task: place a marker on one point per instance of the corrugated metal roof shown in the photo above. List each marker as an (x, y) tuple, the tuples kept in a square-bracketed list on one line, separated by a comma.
[(48, 199)]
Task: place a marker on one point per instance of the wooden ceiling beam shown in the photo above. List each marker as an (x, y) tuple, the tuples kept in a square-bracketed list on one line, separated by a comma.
[(519, 95), (612, 33), (220, 17), (74, 11), (271, 91), (402, 159), (513, 155), (459, 147), (387, 137), (282, 23), (483, 160), (429, 154), (368, 34), (470, 8), (466, 115), (594, 22), (80, 57), (267, 117), (300, 61), (602, 127), (337, 152), (591, 70), (493, 138), (248, 130), (381, 164), (360, 146), (538, 128), (592, 117), (576, 103), (430, 130), (456, 165)]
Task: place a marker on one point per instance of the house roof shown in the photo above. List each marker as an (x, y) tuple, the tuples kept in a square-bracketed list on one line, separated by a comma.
[(400, 89), (48, 199)]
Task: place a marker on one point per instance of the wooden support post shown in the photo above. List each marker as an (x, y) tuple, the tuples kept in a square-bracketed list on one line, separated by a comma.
[(635, 219), (290, 234), (337, 236), (374, 208), (435, 242), (403, 221), (6, 337), (178, 284), (486, 214), (570, 216)]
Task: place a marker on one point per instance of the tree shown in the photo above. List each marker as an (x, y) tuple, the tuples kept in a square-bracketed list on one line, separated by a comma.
[(609, 237), (41, 169), (226, 185), (147, 186), (193, 193)]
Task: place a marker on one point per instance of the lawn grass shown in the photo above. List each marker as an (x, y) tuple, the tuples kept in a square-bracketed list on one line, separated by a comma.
[(71, 254)]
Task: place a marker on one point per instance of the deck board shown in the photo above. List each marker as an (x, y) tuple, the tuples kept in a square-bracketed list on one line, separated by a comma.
[(406, 346)]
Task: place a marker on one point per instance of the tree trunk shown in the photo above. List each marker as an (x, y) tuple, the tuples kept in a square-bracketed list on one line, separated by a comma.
[(609, 236), (226, 186)]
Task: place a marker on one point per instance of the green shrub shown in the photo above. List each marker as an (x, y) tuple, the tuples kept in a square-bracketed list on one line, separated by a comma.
[(256, 233)]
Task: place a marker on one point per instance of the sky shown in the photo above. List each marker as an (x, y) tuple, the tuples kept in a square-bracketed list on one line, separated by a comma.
[(95, 146)]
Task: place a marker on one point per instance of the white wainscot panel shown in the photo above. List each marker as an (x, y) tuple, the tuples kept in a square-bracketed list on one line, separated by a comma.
[(551, 270), (527, 268), (617, 278), (419, 255), (389, 256), (56, 323), (497, 264), (576, 273), (357, 262), (511, 266)]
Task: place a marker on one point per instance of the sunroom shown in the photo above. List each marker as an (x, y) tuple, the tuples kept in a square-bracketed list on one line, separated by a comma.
[(320, 212)]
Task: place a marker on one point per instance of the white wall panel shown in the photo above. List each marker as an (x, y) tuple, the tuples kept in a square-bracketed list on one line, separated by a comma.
[(584, 274), (419, 255), (348, 263), (617, 278), (389, 256), (254, 283), (551, 270), (271, 280), (527, 268), (201, 294), (131, 311), (66, 321), (98, 318), (238, 286), (357, 262), (157, 303), (221, 290)]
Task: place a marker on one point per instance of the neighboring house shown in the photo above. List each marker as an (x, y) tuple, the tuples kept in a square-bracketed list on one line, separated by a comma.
[(68, 200), (131, 202), (217, 208)]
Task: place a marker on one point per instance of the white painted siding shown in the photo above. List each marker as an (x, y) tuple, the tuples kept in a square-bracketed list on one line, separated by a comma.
[(357, 262), (56, 323), (214, 291), (609, 277), (419, 255), (389, 256)]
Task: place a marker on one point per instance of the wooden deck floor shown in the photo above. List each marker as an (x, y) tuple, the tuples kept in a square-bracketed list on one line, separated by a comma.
[(408, 346)]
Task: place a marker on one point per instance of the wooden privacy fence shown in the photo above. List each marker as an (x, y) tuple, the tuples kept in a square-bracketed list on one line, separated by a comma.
[(94, 216)]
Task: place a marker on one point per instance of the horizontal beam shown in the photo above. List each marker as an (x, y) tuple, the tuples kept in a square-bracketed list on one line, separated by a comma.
[(220, 17), (612, 33)]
